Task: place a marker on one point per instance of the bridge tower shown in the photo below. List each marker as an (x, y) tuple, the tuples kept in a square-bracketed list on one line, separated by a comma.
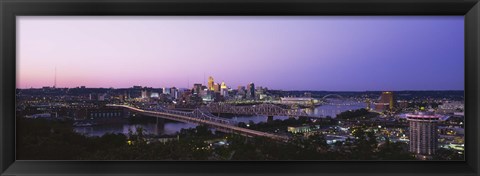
[(269, 118), (160, 126)]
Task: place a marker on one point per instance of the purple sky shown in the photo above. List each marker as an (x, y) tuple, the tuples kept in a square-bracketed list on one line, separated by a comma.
[(289, 53)]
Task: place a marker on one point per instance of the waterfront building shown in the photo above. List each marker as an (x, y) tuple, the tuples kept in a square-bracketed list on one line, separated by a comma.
[(423, 134), (302, 129), (386, 102), (298, 100)]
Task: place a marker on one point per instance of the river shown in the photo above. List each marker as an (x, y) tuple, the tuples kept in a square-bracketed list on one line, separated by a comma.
[(171, 128)]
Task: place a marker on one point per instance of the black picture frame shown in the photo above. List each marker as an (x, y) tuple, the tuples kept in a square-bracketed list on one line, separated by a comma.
[(9, 9)]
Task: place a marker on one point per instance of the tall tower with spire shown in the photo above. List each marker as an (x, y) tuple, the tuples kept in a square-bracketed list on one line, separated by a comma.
[(55, 79)]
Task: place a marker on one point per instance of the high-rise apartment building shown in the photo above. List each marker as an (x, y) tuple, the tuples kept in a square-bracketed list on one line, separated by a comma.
[(423, 134)]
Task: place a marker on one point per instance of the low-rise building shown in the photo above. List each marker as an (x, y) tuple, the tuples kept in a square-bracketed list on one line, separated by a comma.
[(302, 129)]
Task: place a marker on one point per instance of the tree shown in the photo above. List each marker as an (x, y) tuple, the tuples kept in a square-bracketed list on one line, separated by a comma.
[(393, 151), (445, 154), (364, 145)]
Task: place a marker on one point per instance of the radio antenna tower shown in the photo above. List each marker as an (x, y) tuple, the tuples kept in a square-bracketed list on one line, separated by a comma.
[(55, 78)]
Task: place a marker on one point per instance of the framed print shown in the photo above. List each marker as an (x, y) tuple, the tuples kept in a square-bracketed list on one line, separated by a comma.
[(252, 87)]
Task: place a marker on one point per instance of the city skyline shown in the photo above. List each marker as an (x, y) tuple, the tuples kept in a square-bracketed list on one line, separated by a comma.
[(166, 52)]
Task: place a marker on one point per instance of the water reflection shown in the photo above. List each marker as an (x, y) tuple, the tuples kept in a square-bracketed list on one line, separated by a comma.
[(333, 110), (169, 128)]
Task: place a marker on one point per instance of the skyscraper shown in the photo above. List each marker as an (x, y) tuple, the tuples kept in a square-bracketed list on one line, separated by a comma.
[(167, 91), (145, 93), (251, 91), (211, 83), (241, 91), (223, 89), (423, 134), (216, 87), (174, 92), (223, 85), (197, 88)]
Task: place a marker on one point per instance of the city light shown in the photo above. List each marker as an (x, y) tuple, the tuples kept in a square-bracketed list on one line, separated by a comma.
[(236, 94)]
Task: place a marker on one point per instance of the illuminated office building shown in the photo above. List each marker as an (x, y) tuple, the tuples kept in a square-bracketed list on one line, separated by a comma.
[(211, 83), (223, 89), (423, 134), (223, 85)]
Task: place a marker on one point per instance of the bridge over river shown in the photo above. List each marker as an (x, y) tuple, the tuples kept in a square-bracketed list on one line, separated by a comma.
[(200, 117)]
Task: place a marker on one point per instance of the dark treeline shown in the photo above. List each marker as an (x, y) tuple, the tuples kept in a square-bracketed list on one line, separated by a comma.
[(356, 114), (49, 140)]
